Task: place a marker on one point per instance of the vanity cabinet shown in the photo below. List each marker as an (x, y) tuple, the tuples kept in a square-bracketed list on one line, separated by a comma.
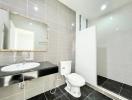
[(45, 68)]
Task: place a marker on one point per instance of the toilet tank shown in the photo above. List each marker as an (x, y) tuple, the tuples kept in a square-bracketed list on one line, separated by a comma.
[(65, 67)]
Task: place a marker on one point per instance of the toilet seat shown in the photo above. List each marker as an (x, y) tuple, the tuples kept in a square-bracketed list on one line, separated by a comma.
[(76, 79)]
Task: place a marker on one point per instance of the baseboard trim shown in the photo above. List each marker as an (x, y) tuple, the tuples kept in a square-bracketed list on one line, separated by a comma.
[(106, 92)]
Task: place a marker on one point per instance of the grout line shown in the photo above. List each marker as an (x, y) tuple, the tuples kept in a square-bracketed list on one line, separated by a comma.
[(89, 94), (66, 96), (45, 96), (64, 93), (121, 89), (58, 97)]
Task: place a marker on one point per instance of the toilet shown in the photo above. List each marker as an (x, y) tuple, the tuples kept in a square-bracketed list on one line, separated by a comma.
[(73, 80)]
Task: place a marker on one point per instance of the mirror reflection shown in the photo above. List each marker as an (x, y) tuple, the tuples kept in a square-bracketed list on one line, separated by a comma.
[(17, 30)]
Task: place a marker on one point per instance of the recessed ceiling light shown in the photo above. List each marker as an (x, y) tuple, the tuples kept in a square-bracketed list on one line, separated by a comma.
[(111, 18), (103, 7), (30, 23), (73, 24), (35, 8)]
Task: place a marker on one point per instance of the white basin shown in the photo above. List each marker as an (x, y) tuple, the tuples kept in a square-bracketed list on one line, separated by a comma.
[(20, 67)]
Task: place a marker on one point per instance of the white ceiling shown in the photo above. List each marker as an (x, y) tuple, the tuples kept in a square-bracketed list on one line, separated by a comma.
[(91, 8)]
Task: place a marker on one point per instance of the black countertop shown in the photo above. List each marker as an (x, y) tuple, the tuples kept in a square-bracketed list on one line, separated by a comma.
[(43, 66), (9, 78)]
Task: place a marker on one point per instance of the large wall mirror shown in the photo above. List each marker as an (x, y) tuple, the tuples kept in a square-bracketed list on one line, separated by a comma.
[(19, 33)]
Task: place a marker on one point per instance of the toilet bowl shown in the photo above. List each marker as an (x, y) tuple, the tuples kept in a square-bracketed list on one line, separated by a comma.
[(73, 80)]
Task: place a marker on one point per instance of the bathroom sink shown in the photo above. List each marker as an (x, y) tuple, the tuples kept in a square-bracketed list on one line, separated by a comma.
[(20, 67)]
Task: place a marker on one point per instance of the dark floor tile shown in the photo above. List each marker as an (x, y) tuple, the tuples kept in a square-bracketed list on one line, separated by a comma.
[(97, 96), (63, 97), (101, 80), (50, 96), (112, 86), (70, 97), (62, 88), (60, 94), (38, 97), (126, 91), (86, 90)]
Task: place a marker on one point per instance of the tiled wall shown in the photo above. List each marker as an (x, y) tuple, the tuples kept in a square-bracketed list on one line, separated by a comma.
[(61, 21)]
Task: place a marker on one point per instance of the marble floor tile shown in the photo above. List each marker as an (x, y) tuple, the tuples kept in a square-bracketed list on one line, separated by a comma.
[(126, 91), (112, 86), (60, 94)]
